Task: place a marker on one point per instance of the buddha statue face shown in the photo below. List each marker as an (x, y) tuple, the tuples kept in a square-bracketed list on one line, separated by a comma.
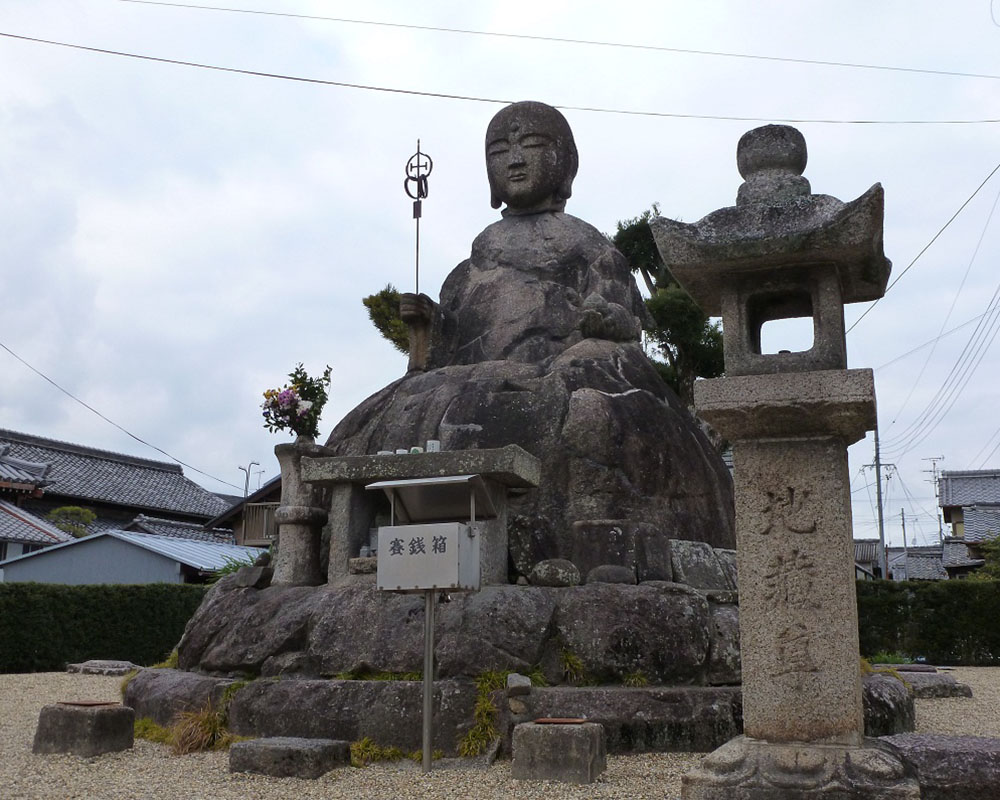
[(531, 159)]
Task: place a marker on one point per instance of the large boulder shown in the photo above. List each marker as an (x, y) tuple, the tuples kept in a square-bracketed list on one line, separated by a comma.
[(661, 631), (888, 705), (614, 443)]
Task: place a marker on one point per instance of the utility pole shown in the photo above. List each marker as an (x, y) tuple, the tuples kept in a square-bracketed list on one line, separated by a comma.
[(902, 518), (883, 553), (937, 496)]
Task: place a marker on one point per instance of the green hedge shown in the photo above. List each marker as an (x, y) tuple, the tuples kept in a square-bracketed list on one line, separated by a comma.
[(946, 622), (45, 626)]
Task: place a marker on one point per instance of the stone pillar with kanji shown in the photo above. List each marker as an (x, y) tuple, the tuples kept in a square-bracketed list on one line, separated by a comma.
[(782, 252)]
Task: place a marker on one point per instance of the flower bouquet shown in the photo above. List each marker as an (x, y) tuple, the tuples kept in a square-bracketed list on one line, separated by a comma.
[(296, 407)]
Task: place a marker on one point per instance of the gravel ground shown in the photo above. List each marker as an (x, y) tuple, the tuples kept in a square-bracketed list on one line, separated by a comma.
[(149, 771)]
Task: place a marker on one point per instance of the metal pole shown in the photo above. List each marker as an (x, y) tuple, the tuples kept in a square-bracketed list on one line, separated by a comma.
[(878, 499), (428, 676), (902, 518)]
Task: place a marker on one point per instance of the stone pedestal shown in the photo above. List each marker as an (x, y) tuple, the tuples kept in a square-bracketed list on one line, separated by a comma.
[(84, 728), (572, 753), (749, 769), (798, 612), (299, 518)]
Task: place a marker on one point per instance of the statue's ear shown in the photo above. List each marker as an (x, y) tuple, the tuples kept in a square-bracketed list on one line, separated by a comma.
[(495, 202)]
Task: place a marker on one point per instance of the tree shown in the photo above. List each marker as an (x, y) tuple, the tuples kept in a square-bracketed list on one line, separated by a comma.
[(72, 519), (383, 311), (990, 571), (689, 342)]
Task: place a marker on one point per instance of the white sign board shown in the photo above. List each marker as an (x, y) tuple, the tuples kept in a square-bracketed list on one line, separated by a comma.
[(439, 555)]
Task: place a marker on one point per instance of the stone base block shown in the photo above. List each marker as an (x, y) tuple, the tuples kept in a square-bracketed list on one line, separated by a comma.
[(572, 753), (951, 767), (289, 757), (936, 684), (750, 769), (85, 729), (103, 667)]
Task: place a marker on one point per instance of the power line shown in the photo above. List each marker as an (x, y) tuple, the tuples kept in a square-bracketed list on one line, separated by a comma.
[(585, 42), (920, 347), (926, 247), (110, 421), (951, 308), (475, 99)]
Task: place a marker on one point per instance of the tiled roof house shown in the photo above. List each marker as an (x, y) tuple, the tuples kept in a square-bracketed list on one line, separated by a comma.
[(116, 487), (970, 502)]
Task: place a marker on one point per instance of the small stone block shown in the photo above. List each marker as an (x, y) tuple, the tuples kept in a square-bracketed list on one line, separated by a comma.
[(84, 729), (518, 684), (289, 756), (102, 667), (951, 766), (254, 577), (366, 565), (574, 753)]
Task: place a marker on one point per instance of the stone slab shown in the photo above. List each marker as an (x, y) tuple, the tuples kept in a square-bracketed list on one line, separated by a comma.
[(951, 767), (640, 719), (826, 402), (84, 730), (696, 564), (102, 667), (289, 756), (936, 684), (390, 712), (511, 466), (254, 577), (571, 753)]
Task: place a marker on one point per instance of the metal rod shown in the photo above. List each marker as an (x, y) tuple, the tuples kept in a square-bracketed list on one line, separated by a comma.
[(428, 676)]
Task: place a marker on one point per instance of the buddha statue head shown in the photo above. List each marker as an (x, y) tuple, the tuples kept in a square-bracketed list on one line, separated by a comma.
[(531, 159)]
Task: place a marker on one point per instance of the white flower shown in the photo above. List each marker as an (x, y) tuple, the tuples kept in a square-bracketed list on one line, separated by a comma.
[(304, 406)]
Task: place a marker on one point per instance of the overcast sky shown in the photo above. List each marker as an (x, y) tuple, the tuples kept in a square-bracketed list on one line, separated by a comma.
[(175, 239)]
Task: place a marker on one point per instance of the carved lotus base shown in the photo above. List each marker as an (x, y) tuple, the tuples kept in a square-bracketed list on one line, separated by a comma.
[(750, 769)]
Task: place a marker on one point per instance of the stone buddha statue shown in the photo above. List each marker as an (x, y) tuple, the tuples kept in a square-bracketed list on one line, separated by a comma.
[(535, 342), (539, 280)]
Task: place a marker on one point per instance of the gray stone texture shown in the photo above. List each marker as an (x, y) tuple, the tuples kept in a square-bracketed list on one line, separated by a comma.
[(101, 667), (641, 719), (798, 605), (254, 577), (936, 684), (951, 767), (749, 769), (588, 415), (724, 644), (84, 730), (637, 545), (617, 631), (888, 706), (658, 628), (611, 573), (300, 519), (387, 711), (727, 558), (554, 572), (161, 694), (518, 684), (696, 564), (289, 756), (573, 753)]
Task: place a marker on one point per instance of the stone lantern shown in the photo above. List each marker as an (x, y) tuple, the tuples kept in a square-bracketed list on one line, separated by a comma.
[(782, 252)]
